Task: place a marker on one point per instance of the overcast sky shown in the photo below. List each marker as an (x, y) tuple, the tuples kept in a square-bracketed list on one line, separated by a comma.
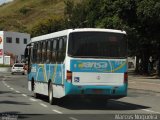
[(4, 1)]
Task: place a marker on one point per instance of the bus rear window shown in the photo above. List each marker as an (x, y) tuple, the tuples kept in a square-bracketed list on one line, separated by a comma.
[(97, 44)]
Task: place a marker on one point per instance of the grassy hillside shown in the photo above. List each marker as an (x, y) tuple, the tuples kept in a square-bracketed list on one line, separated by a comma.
[(21, 15)]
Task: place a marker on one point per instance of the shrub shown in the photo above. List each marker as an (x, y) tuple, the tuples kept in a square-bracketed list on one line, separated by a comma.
[(24, 10), (3, 65)]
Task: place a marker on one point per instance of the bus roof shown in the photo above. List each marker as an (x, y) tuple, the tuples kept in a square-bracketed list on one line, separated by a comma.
[(66, 32)]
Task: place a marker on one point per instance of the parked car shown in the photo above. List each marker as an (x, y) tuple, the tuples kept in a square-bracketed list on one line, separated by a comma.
[(18, 68)]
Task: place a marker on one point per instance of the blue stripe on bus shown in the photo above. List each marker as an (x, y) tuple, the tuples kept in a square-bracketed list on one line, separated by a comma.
[(46, 72), (107, 66)]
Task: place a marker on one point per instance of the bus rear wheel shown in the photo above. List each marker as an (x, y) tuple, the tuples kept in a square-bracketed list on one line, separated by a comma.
[(36, 95), (52, 100)]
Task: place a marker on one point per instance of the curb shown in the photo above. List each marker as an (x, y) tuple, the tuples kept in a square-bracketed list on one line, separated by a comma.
[(144, 90), (5, 69)]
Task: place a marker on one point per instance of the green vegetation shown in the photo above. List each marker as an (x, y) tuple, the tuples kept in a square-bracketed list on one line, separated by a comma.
[(2, 65), (22, 15), (139, 18)]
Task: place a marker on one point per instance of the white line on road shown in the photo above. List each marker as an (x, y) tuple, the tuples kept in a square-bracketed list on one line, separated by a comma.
[(31, 99), (17, 91), (8, 86), (24, 95), (72, 118), (150, 111), (59, 112), (43, 105), (11, 88)]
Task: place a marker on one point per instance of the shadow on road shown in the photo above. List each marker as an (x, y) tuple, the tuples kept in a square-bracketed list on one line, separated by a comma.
[(4, 92), (87, 104), (13, 102), (81, 104)]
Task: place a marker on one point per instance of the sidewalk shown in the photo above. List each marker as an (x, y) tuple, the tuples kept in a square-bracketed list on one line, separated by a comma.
[(5, 69), (142, 82)]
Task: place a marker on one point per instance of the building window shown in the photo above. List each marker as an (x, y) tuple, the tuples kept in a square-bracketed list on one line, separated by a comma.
[(17, 40), (8, 40), (25, 41)]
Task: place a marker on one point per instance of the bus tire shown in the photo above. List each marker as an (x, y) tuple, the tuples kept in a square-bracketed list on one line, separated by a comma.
[(32, 85), (50, 94), (36, 95)]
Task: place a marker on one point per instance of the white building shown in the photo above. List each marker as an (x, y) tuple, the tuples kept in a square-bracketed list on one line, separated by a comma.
[(13, 44)]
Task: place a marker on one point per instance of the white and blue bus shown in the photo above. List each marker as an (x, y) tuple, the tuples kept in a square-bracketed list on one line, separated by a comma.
[(87, 62)]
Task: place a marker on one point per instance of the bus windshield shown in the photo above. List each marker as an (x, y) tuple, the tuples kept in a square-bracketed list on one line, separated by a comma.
[(97, 45)]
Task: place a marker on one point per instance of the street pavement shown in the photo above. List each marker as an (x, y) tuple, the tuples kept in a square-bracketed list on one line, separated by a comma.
[(143, 98), (144, 82)]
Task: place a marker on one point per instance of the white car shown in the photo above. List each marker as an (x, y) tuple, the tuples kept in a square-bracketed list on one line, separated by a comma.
[(18, 68)]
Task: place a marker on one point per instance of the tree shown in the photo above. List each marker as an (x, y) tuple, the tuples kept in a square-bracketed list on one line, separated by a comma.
[(46, 26), (140, 18)]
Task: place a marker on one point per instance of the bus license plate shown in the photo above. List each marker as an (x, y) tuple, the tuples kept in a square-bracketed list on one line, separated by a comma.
[(98, 91)]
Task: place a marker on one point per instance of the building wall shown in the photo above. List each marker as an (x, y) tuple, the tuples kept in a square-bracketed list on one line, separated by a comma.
[(17, 49)]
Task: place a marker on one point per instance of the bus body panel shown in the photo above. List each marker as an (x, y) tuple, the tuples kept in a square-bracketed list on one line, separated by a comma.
[(114, 79), (107, 91), (97, 77), (90, 76), (42, 73), (46, 72), (105, 66), (98, 72)]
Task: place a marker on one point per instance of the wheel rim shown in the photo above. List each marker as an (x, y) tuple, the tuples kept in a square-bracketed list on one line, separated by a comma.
[(50, 95)]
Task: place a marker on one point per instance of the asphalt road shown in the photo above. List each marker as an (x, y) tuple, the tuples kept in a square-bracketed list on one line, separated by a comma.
[(15, 99)]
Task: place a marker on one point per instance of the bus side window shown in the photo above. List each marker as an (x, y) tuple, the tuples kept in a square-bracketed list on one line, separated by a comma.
[(54, 51), (44, 50), (51, 49), (34, 54), (39, 52), (48, 54), (62, 49)]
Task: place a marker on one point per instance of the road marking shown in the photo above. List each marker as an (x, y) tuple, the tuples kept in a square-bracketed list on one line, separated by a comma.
[(8, 86), (31, 99), (150, 111), (59, 112), (11, 88), (72, 118), (43, 105), (17, 91), (24, 95)]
